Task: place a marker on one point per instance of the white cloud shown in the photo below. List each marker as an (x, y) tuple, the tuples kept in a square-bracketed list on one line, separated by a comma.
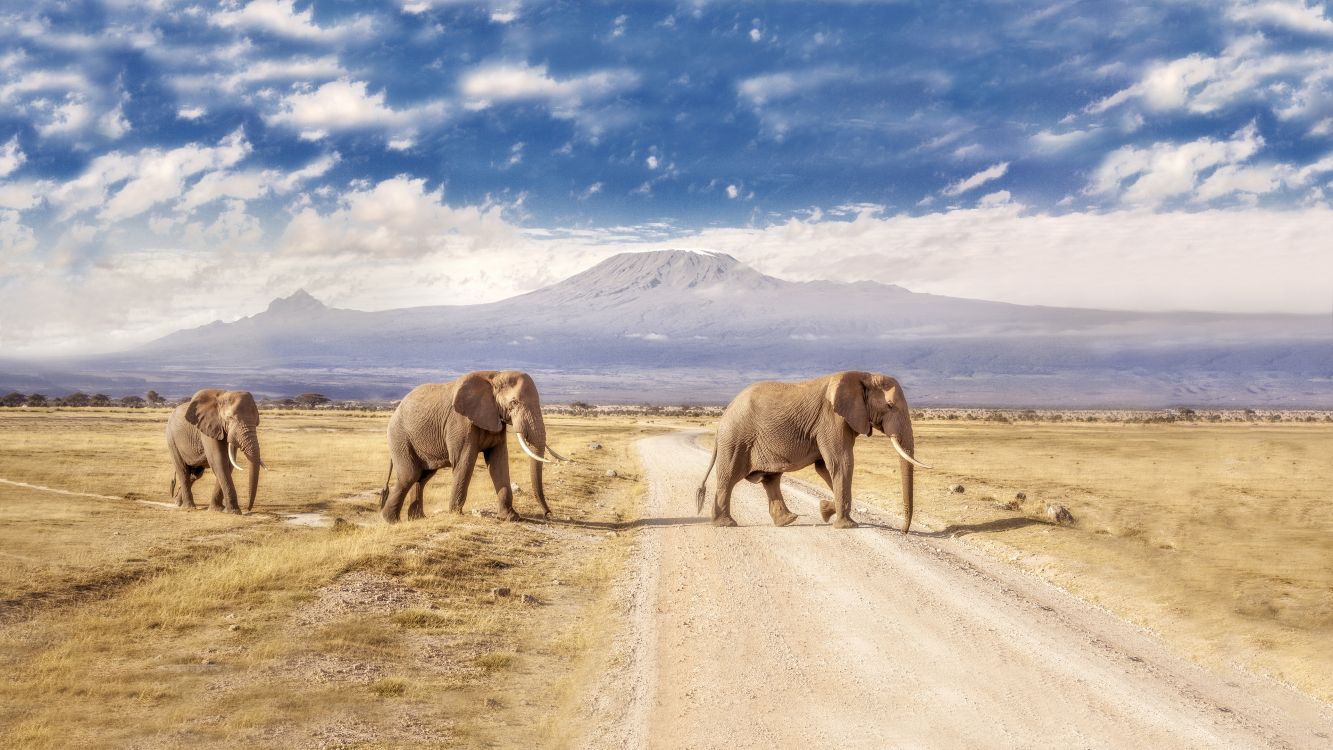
[(651, 161), (191, 113), (1293, 14), (126, 185), (280, 17), (247, 185), (160, 177), (756, 35), (23, 194), (498, 11), (733, 192), (493, 84), (515, 155), (770, 87), (397, 217), (1047, 141), (243, 71), (20, 83), (989, 174), (1152, 175), (347, 105), (71, 117), (11, 157), (1249, 69), (997, 198), (17, 242)]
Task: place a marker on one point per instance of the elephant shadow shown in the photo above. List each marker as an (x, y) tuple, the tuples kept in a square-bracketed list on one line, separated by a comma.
[(955, 530), (636, 523)]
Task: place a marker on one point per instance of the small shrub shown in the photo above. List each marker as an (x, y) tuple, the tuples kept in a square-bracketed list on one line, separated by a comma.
[(420, 618), (389, 687), (494, 661)]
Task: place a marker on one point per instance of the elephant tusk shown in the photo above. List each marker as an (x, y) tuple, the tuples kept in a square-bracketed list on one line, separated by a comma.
[(558, 457), (899, 447), (524, 445), (231, 454)]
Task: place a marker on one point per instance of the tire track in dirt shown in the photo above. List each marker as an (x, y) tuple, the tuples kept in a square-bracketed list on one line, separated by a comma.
[(811, 637)]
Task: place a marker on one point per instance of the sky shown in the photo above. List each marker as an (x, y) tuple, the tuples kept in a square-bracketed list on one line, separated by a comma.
[(164, 164)]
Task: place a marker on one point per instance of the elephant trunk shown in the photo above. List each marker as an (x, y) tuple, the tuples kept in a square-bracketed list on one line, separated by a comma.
[(533, 429), (248, 442), (905, 469)]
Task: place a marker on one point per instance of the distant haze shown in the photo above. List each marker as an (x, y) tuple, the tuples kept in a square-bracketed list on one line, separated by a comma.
[(677, 326)]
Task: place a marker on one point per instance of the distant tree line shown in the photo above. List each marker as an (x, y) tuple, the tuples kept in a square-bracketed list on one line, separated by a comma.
[(79, 399)]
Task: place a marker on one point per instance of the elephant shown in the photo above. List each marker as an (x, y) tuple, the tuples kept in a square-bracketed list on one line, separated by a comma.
[(771, 428), (439, 425), (206, 431)]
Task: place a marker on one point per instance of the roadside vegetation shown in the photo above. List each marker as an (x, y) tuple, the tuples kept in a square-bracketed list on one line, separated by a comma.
[(307, 623), (1213, 533)]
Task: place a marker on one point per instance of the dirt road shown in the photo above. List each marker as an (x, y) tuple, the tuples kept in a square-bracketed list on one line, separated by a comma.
[(809, 637)]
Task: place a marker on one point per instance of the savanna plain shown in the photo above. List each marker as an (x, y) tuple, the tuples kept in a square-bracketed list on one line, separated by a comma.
[(125, 622)]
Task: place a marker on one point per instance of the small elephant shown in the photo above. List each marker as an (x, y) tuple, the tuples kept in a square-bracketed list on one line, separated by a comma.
[(206, 431), (441, 425), (772, 428)]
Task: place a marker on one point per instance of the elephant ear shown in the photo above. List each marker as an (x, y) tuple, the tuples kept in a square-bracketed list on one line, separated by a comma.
[(847, 393), (475, 399), (245, 408), (204, 412)]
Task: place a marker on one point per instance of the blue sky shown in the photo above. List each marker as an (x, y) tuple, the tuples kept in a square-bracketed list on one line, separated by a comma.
[(1165, 155)]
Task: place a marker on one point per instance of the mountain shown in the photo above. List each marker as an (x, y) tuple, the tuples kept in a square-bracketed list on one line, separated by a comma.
[(680, 326)]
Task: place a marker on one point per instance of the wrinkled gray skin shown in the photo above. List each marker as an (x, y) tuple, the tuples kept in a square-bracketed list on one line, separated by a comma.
[(772, 428), (440, 425), (198, 433)]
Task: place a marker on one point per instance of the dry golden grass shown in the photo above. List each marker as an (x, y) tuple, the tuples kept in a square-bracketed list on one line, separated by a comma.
[(127, 624), (1219, 536)]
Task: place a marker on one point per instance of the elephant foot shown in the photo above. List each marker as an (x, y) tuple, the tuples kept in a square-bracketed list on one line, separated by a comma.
[(724, 521), (785, 519), (826, 510), (415, 514), (508, 514), (389, 517), (845, 523), (236, 511)]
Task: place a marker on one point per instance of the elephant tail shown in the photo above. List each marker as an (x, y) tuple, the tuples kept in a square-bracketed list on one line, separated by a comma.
[(703, 486), (384, 493)]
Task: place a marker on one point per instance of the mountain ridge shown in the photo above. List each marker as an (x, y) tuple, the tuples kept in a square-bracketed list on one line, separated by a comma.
[(681, 325)]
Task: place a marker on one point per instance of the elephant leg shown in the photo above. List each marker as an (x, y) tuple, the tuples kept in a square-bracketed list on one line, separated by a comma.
[(722, 500), (825, 506), (417, 508), (462, 478), (393, 502), (180, 483), (497, 464), (185, 484), (777, 507), (215, 451), (405, 474), (217, 502), (842, 496)]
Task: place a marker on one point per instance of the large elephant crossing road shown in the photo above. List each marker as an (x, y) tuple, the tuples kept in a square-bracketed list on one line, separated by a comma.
[(812, 637)]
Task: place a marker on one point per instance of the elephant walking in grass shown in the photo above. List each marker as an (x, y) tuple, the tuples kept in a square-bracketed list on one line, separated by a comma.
[(206, 432), (441, 425), (772, 428)]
